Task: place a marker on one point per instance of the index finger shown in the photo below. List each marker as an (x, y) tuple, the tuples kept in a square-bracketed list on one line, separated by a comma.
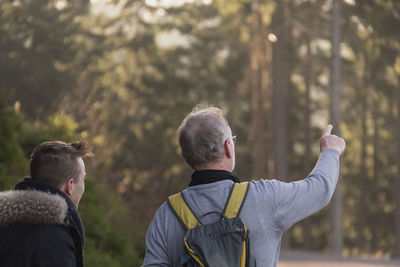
[(327, 130)]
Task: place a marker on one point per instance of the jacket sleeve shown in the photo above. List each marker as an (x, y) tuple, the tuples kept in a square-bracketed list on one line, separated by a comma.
[(297, 200), (55, 248), (156, 244)]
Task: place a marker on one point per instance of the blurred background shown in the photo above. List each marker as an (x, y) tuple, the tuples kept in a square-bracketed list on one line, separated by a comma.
[(123, 74)]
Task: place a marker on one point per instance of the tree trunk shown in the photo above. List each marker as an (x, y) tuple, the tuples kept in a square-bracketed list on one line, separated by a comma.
[(307, 165), (377, 166), (257, 65), (397, 195), (280, 98), (376, 143), (336, 212), (361, 221)]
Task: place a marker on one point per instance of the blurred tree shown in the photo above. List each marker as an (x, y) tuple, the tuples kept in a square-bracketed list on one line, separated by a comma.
[(336, 243), (13, 163), (258, 82), (308, 32), (280, 97), (397, 215), (37, 51), (109, 239), (375, 35)]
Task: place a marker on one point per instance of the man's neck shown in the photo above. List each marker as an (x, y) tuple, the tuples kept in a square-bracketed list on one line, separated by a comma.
[(216, 166)]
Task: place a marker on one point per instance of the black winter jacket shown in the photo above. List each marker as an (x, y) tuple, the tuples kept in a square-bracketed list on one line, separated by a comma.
[(39, 227)]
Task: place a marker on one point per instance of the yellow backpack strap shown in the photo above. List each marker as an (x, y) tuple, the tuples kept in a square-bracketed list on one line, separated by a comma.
[(182, 211), (235, 200)]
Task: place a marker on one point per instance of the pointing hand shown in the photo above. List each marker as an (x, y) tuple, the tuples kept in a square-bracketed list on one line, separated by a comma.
[(329, 141)]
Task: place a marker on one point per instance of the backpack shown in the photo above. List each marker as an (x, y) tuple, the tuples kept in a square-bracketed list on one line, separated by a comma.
[(224, 243)]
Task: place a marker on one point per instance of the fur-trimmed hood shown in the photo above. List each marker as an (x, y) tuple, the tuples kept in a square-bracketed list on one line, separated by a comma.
[(31, 206), (38, 215)]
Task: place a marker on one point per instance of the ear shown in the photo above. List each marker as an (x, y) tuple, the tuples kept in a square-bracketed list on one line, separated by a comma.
[(228, 148), (69, 185)]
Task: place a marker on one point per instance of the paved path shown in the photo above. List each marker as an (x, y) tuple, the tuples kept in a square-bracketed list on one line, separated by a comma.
[(311, 259)]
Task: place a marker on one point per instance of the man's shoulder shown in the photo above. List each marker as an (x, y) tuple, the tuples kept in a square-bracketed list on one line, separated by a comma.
[(163, 210), (39, 232), (263, 185), (164, 218)]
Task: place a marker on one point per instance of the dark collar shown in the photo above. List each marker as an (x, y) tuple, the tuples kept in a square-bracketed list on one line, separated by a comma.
[(211, 176), (28, 184), (72, 218)]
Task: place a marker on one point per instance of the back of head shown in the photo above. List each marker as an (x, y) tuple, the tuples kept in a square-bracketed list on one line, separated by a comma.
[(55, 162), (202, 135)]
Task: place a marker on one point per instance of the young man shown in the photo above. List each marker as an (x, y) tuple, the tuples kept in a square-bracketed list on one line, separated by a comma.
[(270, 207), (39, 223)]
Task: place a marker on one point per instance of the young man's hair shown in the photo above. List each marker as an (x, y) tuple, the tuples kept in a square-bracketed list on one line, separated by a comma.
[(55, 162), (202, 135)]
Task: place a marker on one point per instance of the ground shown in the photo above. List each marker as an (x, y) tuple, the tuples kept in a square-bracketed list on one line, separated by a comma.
[(310, 259)]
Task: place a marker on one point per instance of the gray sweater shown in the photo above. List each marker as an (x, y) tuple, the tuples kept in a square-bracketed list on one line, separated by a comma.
[(270, 208)]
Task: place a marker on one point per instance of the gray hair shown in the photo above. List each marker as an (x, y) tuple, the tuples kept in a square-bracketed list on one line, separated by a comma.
[(202, 135)]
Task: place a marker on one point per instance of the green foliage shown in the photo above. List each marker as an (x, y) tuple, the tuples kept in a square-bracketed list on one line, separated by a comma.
[(109, 239), (18, 138), (37, 51), (12, 159)]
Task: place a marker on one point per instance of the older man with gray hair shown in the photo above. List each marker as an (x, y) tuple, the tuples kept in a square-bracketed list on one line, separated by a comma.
[(270, 207)]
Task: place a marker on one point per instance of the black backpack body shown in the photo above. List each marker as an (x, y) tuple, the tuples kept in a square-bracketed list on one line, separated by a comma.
[(224, 243)]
